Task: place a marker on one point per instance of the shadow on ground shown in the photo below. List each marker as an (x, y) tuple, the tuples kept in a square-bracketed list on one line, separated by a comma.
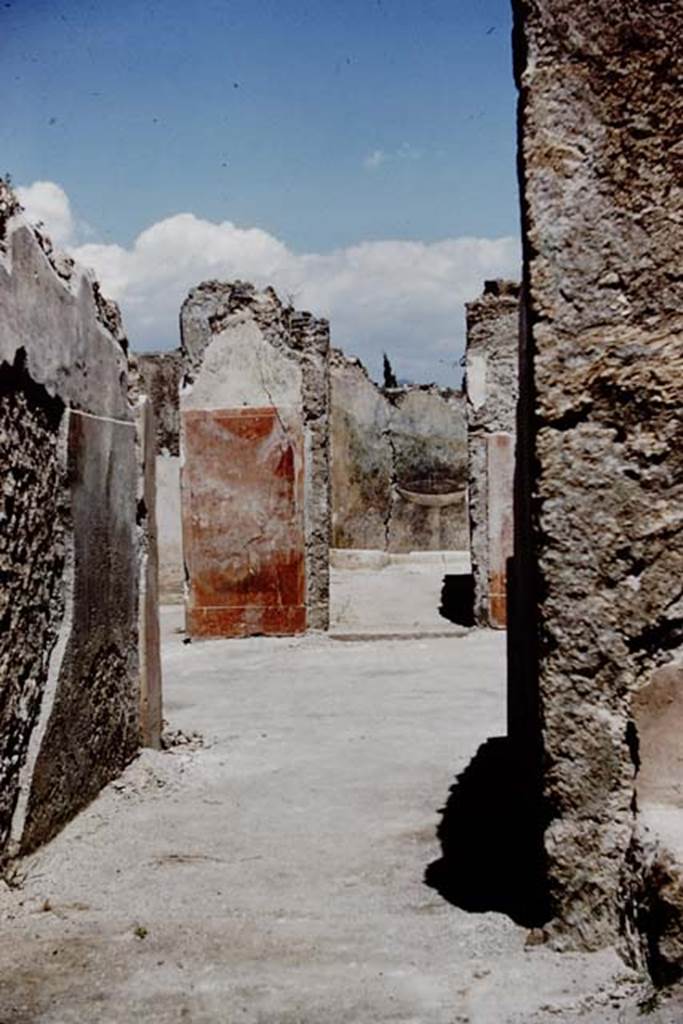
[(457, 599), (491, 841)]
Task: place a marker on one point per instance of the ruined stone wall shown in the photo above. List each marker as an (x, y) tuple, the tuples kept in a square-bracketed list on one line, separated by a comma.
[(491, 385), (33, 534), (600, 529), (69, 697), (255, 473), (377, 440), (362, 464), (150, 699), (382, 441), (158, 376)]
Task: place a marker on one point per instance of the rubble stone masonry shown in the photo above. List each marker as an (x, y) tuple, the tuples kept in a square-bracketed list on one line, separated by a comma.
[(600, 489), (159, 377)]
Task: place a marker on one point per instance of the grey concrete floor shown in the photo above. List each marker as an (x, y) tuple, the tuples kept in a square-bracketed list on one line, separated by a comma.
[(275, 874)]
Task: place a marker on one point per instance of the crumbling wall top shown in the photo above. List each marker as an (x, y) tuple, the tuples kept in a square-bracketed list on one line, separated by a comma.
[(341, 363), (213, 306), (492, 357), (497, 297), (80, 346)]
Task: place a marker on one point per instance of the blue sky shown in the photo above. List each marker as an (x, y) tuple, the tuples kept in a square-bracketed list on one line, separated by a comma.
[(327, 125)]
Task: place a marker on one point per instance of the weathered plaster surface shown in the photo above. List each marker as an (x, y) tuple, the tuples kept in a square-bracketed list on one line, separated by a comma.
[(428, 441), (381, 440), (240, 367), (243, 350), (243, 521), (600, 530), (361, 457), (68, 701), (491, 385), (64, 334)]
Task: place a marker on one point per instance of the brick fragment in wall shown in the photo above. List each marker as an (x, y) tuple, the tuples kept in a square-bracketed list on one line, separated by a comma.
[(599, 533), (382, 439), (256, 529), (491, 385), (69, 718)]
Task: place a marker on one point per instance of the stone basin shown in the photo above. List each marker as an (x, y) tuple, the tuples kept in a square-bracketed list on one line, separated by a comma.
[(432, 492)]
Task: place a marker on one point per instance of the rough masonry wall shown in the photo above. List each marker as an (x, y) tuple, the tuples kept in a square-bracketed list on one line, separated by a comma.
[(600, 533), (158, 376), (361, 457), (149, 638), (255, 473), (93, 728), (382, 440), (491, 384), (69, 694), (33, 534)]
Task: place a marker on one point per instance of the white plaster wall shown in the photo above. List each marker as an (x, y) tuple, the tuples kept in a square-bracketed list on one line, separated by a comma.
[(476, 379), (241, 368)]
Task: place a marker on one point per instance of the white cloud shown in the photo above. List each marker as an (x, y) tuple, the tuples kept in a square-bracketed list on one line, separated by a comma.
[(407, 152), (374, 159), (47, 203), (403, 297), (378, 157)]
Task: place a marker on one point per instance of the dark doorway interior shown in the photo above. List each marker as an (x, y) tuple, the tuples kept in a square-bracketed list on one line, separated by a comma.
[(457, 599)]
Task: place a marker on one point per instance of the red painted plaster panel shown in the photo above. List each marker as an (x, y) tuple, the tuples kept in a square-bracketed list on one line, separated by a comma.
[(500, 470), (243, 533)]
